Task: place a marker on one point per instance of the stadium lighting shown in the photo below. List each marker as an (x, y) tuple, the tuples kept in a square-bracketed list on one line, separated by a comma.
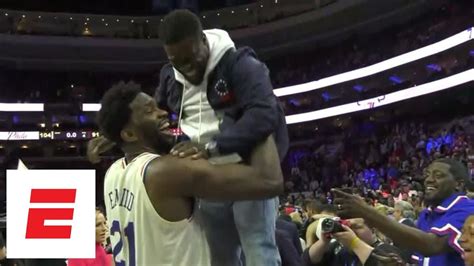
[(21, 107), (416, 91), (297, 118), (412, 56), (90, 107), (381, 100)]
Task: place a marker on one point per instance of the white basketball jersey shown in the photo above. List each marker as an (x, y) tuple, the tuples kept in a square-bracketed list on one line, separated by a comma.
[(139, 235)]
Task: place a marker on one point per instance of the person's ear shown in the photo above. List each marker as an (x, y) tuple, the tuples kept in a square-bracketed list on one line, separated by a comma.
[(204, 40), (128, 135)]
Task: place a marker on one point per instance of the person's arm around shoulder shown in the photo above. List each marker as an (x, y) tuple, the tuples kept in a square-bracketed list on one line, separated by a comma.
[(198, 178)]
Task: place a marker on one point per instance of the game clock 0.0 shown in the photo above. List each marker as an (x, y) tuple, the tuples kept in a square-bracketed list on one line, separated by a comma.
[(65, 135)]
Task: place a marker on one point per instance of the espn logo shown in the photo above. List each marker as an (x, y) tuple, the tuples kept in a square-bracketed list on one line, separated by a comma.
[(51, 214), (35, 227)]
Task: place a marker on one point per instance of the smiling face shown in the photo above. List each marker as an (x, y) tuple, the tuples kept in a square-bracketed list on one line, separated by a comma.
[(467, 240), (439, 183), (148, 125), (189, 57)]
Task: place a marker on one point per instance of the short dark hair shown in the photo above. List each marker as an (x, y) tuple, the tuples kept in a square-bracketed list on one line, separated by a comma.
[(313, 205), (179, 25), (100, 209), (328, 208), (115, 112), (456, 168)]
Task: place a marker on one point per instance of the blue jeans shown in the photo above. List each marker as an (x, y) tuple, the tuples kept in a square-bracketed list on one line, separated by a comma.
[(248, 226)]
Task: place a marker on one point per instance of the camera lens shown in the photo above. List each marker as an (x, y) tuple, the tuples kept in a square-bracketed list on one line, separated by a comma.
[(327, 225)]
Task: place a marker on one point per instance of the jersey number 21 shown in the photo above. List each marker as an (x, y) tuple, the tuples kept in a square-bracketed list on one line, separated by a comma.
[(127, 234)]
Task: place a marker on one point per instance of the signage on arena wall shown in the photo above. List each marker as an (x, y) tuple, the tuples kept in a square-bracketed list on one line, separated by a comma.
[(51, 213), (19, 135)]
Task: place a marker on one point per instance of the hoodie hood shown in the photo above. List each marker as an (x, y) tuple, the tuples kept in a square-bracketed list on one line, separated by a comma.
[(219, 43), (200, 122)]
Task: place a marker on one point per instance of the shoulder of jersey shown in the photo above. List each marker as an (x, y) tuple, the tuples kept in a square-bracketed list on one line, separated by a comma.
[(118, 162)]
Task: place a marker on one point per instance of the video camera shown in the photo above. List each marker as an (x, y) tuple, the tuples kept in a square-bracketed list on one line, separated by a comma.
[(331, 225)]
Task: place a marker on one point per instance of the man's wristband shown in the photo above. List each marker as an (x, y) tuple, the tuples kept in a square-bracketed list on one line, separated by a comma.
[(354, 243)]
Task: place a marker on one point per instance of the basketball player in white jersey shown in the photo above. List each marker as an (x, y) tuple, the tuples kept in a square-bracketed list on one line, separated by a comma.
[(150, 198)]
